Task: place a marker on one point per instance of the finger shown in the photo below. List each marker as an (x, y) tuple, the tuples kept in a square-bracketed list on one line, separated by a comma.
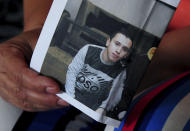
[(25, 98), (39, 83), (34, 102), (27, 77), (43, 101), (61, 102)]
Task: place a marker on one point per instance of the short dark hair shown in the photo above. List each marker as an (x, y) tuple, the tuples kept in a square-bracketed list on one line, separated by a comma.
[(122, 31)]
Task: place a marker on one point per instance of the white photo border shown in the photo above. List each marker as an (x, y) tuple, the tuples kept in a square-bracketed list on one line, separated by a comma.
[(45, 38)]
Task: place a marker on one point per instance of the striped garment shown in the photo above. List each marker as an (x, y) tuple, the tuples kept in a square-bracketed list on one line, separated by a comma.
[(164, 107)]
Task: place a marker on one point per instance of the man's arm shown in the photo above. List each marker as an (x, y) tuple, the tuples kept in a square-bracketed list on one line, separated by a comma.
[(20, 85), (115, 92), (171, 58), (35, 13), (73, 70)]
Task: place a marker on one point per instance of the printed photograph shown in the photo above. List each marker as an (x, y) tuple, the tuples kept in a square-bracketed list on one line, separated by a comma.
[(98, 57)]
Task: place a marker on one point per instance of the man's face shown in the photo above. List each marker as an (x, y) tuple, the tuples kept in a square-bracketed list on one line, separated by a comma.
[(118, 47)]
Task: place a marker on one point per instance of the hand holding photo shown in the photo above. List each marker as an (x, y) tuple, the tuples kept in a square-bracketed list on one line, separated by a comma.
[(99, 53)]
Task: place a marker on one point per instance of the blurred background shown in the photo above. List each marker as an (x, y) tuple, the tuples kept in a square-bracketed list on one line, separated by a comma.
[(11, 18)]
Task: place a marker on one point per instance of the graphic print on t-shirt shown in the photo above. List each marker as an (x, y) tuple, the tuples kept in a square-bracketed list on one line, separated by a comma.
[(92, 84)]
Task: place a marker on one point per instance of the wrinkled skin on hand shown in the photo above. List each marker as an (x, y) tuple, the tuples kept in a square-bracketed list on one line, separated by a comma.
[(21, 86)]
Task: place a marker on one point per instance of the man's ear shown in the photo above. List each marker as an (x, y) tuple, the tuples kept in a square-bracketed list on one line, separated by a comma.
[(108, 41)]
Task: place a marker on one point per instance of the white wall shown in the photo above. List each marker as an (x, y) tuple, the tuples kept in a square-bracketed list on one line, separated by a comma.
[(73, 6), (131, 11), (149, 15), (141, 13)]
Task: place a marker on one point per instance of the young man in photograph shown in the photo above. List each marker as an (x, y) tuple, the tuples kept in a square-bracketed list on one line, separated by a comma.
[(96, 74)]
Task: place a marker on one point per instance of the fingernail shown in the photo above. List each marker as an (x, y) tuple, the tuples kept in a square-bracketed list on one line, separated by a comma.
[(62, 102), (51, 90)]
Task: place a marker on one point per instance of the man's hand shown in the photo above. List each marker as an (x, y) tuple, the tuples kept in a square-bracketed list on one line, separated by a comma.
[(20, 85)]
